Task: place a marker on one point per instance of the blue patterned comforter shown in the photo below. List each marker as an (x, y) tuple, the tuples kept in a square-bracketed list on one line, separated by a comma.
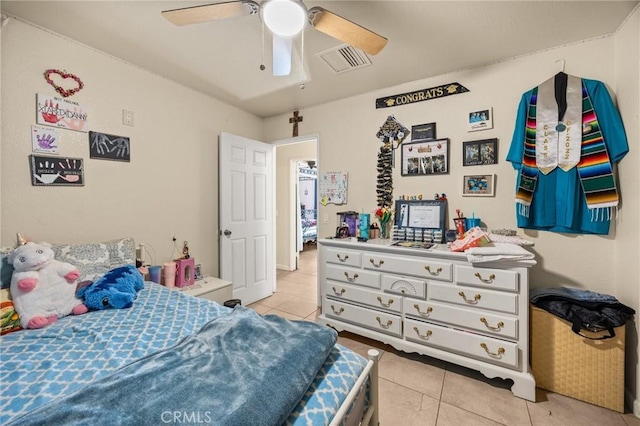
[(47, 366)]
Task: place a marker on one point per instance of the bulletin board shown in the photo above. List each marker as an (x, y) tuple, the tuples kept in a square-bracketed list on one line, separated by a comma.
[(332, 187)]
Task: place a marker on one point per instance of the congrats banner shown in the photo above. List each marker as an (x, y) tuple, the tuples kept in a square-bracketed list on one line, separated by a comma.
[(421, 95)]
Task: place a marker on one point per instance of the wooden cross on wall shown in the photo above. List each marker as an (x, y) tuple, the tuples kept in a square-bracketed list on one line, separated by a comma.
[(295, 120)]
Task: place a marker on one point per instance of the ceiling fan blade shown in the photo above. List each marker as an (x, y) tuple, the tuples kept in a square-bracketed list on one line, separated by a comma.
[(282, 51), (211, 12), (346, 31)]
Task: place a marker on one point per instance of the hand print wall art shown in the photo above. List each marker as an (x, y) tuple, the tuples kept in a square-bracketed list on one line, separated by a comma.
[(56, 171), (44, 140), (108, 147), (61, 112)]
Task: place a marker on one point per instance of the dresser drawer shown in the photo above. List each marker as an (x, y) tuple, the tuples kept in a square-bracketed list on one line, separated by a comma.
[(473, 297), (404, 285), (378, 299), (487, 277), (478, 346), (353, 276), (375, 320), (343, 257), (504, 326), (436, 270)]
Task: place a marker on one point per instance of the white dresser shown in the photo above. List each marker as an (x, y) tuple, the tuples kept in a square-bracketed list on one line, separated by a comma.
[(433, 302)]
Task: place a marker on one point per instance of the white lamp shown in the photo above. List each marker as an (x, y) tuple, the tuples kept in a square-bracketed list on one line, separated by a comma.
[(285, 18)]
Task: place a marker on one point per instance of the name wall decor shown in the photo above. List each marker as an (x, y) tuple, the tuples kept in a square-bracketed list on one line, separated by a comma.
[(56, 171), (421, 95), (61, 112)]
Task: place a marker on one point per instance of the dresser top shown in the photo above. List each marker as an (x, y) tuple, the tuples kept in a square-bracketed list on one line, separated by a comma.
[(437, 251)]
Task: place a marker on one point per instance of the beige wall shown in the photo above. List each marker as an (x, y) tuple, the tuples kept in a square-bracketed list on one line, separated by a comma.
[(348, 143), (285, 155), (169, 188), (626, 265)]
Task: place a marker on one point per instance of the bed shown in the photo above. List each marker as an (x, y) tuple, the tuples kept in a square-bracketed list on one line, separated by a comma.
[(173, 358), (309, 226)]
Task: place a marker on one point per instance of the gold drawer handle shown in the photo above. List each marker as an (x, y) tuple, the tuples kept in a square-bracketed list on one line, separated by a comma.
[(385, 326), (338, 293), (386, 305), (498, 355), (373, 262), (437, 272), (471, 302), (425, 314), (498, 326), (342, 259), (352, 279), (488, 281), (423, 336), (337, 312)]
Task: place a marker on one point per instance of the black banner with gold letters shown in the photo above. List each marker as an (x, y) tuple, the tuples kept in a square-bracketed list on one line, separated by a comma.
[(421, 95)]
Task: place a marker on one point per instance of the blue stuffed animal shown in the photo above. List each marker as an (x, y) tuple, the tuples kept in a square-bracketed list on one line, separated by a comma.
[(117, 289)]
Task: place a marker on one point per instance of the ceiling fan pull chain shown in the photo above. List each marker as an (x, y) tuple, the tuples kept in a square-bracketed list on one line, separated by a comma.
[(262, 67), (302, 50)]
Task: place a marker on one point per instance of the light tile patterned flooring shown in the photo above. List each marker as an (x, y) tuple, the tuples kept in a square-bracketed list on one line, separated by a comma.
[(417, 390)]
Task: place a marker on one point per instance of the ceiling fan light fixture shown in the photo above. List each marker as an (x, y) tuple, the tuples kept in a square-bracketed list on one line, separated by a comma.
[(285, 18)]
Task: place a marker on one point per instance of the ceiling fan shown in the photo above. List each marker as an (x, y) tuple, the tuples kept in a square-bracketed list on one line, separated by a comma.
[(285, 19)]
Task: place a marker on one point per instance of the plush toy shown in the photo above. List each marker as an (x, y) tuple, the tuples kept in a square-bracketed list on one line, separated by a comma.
[(42, 288), (117, 289)]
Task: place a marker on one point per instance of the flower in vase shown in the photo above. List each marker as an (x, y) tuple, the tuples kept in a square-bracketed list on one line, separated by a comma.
[(383, 213)]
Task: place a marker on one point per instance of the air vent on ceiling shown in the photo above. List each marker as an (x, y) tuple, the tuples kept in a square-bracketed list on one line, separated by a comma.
[(345, 58)]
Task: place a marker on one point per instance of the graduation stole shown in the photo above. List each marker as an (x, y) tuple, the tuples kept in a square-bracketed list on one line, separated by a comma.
[(549, 144)]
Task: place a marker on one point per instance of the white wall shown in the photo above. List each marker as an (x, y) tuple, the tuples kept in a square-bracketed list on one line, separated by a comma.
[(348, 143), (626, 265), (169, 188)]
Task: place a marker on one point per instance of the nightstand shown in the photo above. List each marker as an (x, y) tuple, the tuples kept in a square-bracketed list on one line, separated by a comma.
[(210, 288)]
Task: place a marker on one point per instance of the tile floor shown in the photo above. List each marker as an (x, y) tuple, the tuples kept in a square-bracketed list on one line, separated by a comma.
[(418, 390)]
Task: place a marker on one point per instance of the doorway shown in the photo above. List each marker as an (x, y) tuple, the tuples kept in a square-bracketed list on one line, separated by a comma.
[(289, 155)]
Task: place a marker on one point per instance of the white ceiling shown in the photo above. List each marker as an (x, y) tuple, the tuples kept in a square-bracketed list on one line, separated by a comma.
[(222, 58)]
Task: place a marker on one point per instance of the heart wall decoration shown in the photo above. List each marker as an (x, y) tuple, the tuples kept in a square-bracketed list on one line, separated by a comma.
[(65, 78)]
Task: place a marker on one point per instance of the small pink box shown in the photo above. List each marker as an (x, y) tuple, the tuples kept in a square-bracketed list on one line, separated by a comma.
[(185, 273)]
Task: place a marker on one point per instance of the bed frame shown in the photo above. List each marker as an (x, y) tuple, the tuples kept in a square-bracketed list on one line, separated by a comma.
[(356, 398)]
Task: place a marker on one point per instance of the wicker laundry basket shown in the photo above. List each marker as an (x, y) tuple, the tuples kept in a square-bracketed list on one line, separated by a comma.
[(585, 369)]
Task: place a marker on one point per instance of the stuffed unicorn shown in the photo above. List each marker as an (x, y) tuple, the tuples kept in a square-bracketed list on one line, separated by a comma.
[(43, 289)]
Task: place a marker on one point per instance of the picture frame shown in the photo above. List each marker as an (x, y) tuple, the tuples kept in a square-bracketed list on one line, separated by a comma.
[(480, 152), (103, 146), (424, 214), (480, 119), (425, 158), (197, 271), (479, 185), (56, 171), (423, 132)]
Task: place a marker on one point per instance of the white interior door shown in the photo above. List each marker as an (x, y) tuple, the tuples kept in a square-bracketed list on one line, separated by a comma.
[(247, 245)]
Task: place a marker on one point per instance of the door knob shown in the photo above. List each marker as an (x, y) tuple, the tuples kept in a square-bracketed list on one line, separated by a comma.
[(227, 232)]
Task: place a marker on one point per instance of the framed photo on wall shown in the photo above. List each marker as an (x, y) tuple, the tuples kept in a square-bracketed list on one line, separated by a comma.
[(480, 152), (481, 119), (423, 132), (479, 185), (425, 158)]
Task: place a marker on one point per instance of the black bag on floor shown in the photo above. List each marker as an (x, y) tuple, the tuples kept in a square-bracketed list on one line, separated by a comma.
[(585, 310)]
